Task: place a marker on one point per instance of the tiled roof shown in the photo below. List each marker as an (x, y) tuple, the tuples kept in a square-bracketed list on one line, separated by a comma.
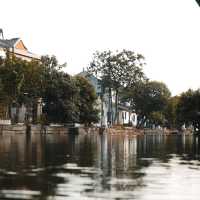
[(8, 43), (3, 44)]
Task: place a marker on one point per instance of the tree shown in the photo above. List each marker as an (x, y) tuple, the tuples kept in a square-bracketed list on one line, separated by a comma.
[(59, 93), (21, 81), (171, 111), (198, 1), (65, 99), (157, 118), (87, 107), (188, 109), (3, 104), (148, 98), (58, 98), (116, 70)]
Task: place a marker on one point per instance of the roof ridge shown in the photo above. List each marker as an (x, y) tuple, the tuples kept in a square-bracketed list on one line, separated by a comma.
[(9, 43)]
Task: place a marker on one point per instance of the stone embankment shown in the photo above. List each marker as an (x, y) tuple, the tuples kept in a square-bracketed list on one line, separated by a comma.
[(135, 131), (115, 130), (33, 129), (125, 130)]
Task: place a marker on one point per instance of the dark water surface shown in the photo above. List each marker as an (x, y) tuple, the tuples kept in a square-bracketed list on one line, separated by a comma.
[(92, 166)]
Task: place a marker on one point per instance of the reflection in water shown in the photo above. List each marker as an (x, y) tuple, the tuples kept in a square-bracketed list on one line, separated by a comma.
[(92, 166)]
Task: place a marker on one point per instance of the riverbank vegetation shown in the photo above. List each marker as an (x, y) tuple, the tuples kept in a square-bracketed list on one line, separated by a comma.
[(122, 72), (72, 99), (65, 99), (118, 71), (155, 106)]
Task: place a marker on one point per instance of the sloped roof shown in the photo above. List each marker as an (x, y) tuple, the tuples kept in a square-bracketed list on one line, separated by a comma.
[(12, 44), (84, 73), (3, 44), (87, 75), (8, 43)]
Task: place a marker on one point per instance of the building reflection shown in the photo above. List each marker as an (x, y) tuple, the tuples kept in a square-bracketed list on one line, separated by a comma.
[(112, 153), (33, 162), (163, 147), (116, 154)]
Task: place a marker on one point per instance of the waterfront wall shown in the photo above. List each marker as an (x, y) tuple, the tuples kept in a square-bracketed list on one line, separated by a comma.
[(37, 129)]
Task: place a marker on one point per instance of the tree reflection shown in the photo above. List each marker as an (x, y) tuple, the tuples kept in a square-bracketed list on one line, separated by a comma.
[(54, 164)]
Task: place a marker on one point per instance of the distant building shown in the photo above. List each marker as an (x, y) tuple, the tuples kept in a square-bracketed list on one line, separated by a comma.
[(126, 115), (16, 47)]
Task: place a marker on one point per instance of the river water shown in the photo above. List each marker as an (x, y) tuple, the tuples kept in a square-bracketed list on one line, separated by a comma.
[(92, 166)]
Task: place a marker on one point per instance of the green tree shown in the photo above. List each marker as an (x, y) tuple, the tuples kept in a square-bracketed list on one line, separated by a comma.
[(87, 105), (157, 118), (59, 97), (59, 93), (188, 109), (171, 111), (3, 103), (116, 70), (148, 98), (21, 81)]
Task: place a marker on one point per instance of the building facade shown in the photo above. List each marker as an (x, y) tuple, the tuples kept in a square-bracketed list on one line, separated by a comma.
[(125, 113), (16, 47)]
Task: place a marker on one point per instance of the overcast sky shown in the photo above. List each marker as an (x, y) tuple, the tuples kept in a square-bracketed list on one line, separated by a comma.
[(166, 32)]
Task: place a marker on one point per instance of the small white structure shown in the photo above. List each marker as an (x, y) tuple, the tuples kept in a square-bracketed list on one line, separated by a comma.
[(126, 115), (5, 121)]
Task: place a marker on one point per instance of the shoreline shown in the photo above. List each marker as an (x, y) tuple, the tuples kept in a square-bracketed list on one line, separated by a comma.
[(116, 130)]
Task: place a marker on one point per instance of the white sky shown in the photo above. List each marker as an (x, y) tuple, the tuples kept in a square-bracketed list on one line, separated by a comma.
[(166, 32)]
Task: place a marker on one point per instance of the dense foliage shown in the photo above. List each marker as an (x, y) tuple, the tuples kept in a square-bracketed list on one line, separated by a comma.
[(149, 99), (68, 99), (120, 69), (87, 98), (188, 109), (171, 112), (122, 72), (23, 82)]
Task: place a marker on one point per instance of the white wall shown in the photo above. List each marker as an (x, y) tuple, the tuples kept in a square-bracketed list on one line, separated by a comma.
[(2, 53), (124, 117)]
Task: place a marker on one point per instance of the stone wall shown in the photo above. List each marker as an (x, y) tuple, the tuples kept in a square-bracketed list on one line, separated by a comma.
[(37, 129)]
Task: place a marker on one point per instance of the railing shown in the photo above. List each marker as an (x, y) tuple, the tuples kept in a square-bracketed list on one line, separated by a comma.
[(5, 121)]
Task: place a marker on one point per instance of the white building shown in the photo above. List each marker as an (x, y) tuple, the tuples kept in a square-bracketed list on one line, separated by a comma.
[(126, 115)]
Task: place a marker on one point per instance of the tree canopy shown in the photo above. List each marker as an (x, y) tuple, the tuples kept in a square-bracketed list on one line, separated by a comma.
[(23, 82), (120, 69), (116, 69), (87, 98), (188, 109), (171, 112), (19, 78), (148, 99)]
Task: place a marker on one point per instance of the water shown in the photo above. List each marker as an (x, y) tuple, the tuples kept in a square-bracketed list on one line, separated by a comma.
[(92, 166)]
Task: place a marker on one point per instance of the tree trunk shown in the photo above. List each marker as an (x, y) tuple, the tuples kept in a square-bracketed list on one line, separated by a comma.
[(141, 122), (109, 107), (17, 114), (116, 108), (129, 118), (102, 112)]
